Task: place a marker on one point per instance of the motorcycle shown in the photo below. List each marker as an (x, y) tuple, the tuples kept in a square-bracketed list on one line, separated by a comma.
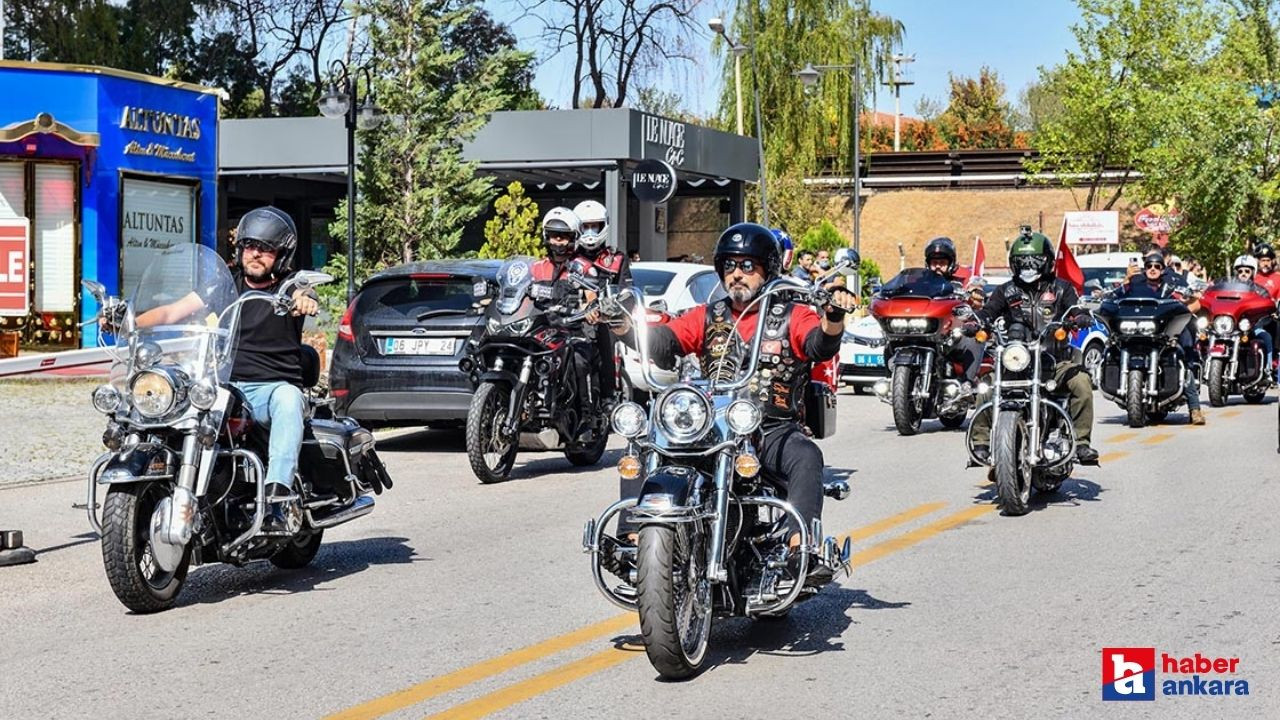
[(713, 528), (522, 364), (916, 310), (1235, 359), (184, 472), (1032, 442), (1143, 369)]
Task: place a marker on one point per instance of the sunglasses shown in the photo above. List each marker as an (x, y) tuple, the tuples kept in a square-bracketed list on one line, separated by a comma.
[(747, 265), (559, 236), (1244, 271), (256, 246), (1156, 265)]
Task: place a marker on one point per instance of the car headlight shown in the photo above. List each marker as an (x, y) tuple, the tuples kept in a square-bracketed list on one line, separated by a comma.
[(683, 414), (1016, 358), (152, 393), (202, 395), (492, 326), (106, 399), (1224, 324), (520, 327), (629, 420), (1245, 324), (743, 416)]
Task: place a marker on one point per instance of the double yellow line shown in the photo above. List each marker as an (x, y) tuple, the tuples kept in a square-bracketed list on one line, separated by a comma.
[(596, 662)]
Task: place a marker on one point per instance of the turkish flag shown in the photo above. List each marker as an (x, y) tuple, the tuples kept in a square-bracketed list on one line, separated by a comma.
[(1065, 265), (979, 258)]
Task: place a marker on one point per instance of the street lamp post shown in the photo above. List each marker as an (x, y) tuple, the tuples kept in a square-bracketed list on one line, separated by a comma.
[(342, 100), (809, 75), (739, 49), (899, 77)]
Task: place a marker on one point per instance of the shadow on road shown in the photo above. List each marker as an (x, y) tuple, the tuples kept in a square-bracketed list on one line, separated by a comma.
[(1071, 493), (426, 440), (82, 539), (216, 583)]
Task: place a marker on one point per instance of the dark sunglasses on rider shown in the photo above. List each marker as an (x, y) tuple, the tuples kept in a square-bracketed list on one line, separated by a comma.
[(256, 246), (1244, 271), (1156, 265), (747, 265), (560, 236)]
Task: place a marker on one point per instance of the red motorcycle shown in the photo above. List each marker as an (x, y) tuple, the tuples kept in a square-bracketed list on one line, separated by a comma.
[(1234, 358), (917, 311)]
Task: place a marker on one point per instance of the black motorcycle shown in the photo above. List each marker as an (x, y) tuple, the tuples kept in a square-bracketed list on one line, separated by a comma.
[(713, 527), (1142, 369), (185, 472), (532, 387)]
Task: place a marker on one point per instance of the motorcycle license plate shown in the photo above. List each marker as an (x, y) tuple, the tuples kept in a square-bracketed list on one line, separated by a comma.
[(418, 346), (876, 360)]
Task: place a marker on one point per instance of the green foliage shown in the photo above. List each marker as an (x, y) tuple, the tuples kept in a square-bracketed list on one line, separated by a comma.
[(823, 236), (513, 229), (978, 115), (868, 270)]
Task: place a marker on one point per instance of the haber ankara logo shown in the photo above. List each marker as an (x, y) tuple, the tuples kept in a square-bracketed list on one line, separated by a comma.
[(1128, 673)]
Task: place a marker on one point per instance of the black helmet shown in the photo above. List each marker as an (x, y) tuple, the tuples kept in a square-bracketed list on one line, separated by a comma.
[(752, 240), (272, 227), (1265, 251), (1031, 253), (941, 247)]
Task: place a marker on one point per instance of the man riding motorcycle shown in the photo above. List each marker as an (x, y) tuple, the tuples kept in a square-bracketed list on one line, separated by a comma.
[(1035, 297), (746, 257), (1246, 271), (1154, 282), (1267, 276), (940, 257), (610, 266), (268, 361)]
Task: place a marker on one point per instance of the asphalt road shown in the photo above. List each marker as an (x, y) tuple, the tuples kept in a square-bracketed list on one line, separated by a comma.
[(455, 599)]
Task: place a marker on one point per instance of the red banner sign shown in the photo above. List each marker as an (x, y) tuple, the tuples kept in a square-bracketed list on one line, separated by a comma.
[(14, 277)]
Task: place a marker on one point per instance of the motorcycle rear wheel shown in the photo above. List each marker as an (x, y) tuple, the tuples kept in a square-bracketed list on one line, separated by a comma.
[(490, 454), (1217, 383), (299, 552), (1254, 396), (1013, 474), (1135, 403), (590, 454), (136, 579), (673, 596), (906, 410)]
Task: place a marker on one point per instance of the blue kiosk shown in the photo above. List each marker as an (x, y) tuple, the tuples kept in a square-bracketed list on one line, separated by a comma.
[(108, 167)]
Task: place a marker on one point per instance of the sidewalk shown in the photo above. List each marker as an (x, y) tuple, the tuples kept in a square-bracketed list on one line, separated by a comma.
[(49, 428)]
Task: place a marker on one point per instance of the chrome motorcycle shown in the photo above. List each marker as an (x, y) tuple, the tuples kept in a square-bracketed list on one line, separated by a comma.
[(713, 528), (184, 472)]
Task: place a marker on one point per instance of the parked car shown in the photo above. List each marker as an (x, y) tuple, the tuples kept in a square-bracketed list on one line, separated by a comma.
[(672, 288), (396, 358), (862, 354)]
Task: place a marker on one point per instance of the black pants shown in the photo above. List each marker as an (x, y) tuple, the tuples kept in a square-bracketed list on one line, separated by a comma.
[(969, 352), (787, 456), (606, 345)]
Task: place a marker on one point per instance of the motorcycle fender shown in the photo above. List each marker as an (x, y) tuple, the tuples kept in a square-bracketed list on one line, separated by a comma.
[(676, 482), (502, 377), (1218, 351), (1012, 404), (914, 357), (120, 470)]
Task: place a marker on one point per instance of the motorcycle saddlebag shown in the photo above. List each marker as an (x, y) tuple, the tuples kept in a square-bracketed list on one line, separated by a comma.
[(1170, 377), (820, 409), (324, 443), (1110, 380)]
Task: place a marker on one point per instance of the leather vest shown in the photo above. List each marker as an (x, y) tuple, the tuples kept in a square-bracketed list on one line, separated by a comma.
[(780, 379)]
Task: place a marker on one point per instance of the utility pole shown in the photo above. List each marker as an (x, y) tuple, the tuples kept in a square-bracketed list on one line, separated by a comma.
[(899, 75)]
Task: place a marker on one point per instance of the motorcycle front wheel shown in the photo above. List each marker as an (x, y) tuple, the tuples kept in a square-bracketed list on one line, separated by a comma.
[(491, 454), (906, 408), (674, 598), (1013, 473), (136, 578), (1135, 403), (1217, 383)]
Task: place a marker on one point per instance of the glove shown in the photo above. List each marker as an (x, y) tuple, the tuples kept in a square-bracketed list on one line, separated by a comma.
[(970, 328)]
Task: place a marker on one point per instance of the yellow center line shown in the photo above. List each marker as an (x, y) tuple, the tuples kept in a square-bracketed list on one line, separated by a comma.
[(1113, 455), (1157, 439), (1228, 413), (591, 664), (494, 666), (1122, 437)]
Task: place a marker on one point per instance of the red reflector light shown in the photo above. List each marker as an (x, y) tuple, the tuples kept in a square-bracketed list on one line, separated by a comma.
[(338, 392)]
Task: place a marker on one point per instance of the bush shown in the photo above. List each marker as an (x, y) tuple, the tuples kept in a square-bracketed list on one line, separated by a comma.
[(823, 236), (513, 229)]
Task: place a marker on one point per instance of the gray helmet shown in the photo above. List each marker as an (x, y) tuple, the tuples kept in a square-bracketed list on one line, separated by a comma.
[(272, 227)]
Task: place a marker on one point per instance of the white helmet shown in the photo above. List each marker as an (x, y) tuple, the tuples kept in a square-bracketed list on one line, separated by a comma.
[(595, 225), (1246, 261), (560, 220)]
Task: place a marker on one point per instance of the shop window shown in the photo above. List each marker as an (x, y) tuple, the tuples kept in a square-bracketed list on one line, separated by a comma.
[(154, 217), (55, 239), (13, 198)]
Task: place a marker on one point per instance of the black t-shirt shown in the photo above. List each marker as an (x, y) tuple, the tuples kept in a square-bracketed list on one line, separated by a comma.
[(270, 345)]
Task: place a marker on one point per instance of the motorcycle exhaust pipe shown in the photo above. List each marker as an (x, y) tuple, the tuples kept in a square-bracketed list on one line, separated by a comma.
[(361, 507)]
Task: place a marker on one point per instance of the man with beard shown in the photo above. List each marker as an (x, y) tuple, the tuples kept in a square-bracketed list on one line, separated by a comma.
[(268, 365), (746, 257)]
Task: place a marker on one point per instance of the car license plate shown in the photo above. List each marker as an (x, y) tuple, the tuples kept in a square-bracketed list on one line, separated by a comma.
[(861, 359), (418, 346)]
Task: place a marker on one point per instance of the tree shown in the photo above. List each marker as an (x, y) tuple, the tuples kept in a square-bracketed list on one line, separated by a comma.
[(823, 236), (513, 229), (416, 191), (479, 37), (977, 116)]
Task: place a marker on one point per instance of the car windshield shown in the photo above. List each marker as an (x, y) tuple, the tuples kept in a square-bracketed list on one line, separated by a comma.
[(918, 281), (653, 283), (413, 295)]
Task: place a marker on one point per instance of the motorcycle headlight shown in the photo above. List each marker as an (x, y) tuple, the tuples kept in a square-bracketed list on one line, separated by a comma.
[(629, 420), (1202, 323), (743, 417), (1223, 324), (1128, 327), (1245, 325), (151, 393), (1016, 358), (909, 325), (684, 414), (1147, 327), (202, 395), (520, 327), (106, 399)]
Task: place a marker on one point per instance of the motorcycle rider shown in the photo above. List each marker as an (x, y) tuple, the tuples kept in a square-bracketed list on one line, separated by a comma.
[(268, 364), (611, 266), (1155, 282), (747, 257), (1245, 268), (1267, 276), (940, 258), (1033, 298)]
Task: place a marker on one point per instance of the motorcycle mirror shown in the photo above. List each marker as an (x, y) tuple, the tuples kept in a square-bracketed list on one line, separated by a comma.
[(306, 279), (96, 289), (659, 305)]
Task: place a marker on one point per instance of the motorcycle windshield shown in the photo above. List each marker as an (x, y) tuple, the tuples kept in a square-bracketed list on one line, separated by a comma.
[(920, 282), (515, 278), (1232, 286), (180, 317)]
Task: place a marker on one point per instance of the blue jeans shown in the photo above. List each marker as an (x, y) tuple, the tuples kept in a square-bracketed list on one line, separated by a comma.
[(1268, 347), (278, 405)]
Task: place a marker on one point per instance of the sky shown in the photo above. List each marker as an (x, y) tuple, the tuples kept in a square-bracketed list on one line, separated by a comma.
[(946, 36)]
